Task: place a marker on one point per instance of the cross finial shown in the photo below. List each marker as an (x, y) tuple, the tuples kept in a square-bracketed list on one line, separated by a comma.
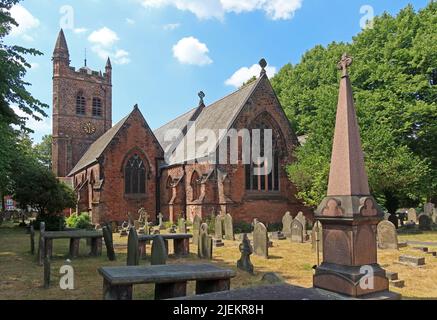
[(263, 65), (344, 63), (201, 96)]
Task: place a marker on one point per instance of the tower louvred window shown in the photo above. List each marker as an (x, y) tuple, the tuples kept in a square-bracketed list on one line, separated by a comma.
[(97, 107), (80, 104)]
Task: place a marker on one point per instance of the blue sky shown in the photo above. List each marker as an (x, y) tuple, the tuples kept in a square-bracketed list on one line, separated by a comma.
[(165, 51)]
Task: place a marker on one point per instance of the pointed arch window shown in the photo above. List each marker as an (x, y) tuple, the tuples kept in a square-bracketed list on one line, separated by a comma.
[(97, 107), (135, 176), (80, 103), (269, 181)]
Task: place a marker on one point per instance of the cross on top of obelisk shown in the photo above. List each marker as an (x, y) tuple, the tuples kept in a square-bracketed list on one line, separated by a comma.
[(201, 95), (344, 63)]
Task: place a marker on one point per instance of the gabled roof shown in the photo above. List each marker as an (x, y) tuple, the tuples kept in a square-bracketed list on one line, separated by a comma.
[(97, 148), (220, 115)]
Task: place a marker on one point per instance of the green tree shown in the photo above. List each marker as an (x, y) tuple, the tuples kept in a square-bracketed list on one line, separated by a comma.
[(394, 77), (13, 65), (43, 151)]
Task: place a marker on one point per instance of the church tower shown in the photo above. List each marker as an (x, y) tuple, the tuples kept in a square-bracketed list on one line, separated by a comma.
[(82, 108)]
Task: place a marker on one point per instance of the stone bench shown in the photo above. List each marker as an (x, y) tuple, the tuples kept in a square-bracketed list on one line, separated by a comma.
[(181, 242), (47, 237), (170, 280)]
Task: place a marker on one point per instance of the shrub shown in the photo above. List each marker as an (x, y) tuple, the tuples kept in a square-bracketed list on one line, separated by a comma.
[(81, 221), (53, 222), (242, 227)]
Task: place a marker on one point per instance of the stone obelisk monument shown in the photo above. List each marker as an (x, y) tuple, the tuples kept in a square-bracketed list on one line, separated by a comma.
[(349, 214)]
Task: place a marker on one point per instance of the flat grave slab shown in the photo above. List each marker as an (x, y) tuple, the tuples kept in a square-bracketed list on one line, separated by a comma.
[(412, 261)]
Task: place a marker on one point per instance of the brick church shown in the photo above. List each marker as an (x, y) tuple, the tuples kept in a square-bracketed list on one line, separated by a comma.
[(119, 169)]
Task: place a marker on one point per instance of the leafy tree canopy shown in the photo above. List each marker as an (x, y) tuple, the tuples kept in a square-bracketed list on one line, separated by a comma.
[(394, 77)]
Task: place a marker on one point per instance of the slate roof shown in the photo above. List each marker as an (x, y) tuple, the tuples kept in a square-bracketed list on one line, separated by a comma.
[(219, 115), (97, 148)]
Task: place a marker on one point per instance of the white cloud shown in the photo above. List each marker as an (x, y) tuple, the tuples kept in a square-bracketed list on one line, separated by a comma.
[(171, 26), (206, 9), (130, 21), (203, 9), (103, 41), (80, 30), (243, 74), (104, 37), (41, 127), (190, 50), (26, 21)]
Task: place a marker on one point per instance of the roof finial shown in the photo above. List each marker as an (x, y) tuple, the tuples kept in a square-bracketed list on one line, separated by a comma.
[(201, 95), (344, 63), (136, 106), (263, 65), (85, 57)]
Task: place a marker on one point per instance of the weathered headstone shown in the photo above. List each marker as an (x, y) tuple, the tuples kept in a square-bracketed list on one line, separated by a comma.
[(159, 251), (229, 228), (412, 215), (32, 239), (107, 237), (387, 236), (297, 232), (393, 218), (136, 225), (197, 221), (428, 208), (261, 240), (246, 250), (161, 221), (182, 226), (218, 227), (287, 219), (133, 253), (317, 237), (434, 216), (277, 235), (204, 250), (143, 217), (303, 221), (425, 222)]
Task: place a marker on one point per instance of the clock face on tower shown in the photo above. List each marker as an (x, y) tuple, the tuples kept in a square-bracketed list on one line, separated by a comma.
[(89, 128)]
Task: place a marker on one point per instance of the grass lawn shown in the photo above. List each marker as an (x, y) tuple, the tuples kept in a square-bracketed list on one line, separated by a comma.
[(21, 277)]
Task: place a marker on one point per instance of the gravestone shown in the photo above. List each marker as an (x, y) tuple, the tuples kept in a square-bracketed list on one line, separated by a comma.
[(246, 250), (277, 235), (143, 217), (124, 229), (287, 219), (303, 221), (260, 240), (218, 227), (387, 235), (204, 250), (229, 228), (173, 229), (133, 253), (425, 222), (159, 251), (136, 225), (412, 215), (107, 237), (317, 237), (434, 216), (182, 226), (297, 232), (197, 221), (393, 218), (386, 215), (161, 221), (428, 208)]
